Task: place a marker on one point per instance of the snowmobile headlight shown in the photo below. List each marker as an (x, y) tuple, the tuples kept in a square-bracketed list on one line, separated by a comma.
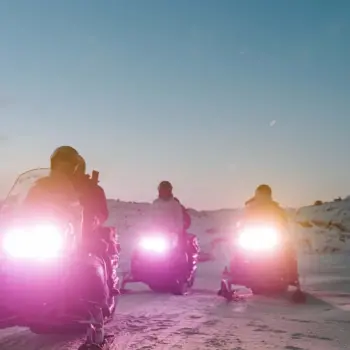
[(259, 238), (43, 241), (158, 243)]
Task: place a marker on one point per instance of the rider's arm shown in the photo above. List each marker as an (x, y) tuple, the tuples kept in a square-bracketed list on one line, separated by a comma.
[(101, 201), (153, 209), (178, 217), (186, 217), (152, 214), (283, 215)]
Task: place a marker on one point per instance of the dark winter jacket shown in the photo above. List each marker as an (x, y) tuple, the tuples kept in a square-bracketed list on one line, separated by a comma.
[(94, 202), (267, 209), (53, 197)]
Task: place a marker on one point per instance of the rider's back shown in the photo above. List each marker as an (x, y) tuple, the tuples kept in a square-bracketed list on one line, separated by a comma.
[(167, 214), (101, 207), (51, 194), (264, 210)]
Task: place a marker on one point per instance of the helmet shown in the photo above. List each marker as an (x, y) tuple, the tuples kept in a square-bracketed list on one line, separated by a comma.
[(64, 154), (165, 190), (264, 190), (81, 168), (165, 185)]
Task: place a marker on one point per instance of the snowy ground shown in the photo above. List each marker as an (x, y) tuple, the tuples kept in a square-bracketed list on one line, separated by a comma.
[(202, 320), (326, 227), (321, 229)]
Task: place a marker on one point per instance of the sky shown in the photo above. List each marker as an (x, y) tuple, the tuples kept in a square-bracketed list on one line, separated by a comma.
[(215, 96)]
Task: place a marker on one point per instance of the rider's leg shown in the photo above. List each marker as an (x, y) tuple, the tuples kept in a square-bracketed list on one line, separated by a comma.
[(292, 263), (110, 255), (190, 249)]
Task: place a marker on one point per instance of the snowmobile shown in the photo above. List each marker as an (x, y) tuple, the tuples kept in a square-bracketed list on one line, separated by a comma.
[(48, 283), (160, 261), (262, 261)]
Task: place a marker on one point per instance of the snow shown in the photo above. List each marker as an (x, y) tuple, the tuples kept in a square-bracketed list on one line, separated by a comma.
[(317, 229), (324, 228), (202, 320), (211, 227)]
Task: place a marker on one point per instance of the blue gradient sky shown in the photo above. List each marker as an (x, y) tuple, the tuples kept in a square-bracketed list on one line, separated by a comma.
[(184, 90)]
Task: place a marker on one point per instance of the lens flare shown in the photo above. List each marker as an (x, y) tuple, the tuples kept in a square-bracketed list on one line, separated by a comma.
[(36, 242), (259, 238), (155, 244)]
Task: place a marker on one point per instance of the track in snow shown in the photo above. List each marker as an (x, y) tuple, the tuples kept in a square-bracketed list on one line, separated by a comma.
[(202, 320)]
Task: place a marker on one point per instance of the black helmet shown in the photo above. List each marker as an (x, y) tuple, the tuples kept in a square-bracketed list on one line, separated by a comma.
[(64, 154), (81, 168), (264, 190), (165, 185)]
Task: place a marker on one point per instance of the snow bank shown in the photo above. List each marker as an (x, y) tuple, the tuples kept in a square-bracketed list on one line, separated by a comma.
[(211, 227), (317, 229), (324, 228)]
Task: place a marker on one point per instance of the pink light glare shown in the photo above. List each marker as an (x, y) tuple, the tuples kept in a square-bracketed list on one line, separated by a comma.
[(38, 242)]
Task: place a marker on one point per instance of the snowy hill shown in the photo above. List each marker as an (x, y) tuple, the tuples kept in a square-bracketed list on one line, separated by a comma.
[(211, 227), (320, 228), (317, 229), (325, 227)]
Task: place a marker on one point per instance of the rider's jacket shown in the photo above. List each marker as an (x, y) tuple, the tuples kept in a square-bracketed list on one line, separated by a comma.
[(53, 195), (167, 214), (186, 217), (93, 199), (264, 209)]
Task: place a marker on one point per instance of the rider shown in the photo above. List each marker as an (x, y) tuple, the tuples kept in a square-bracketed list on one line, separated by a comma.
[(262, 205), (166, 211), (67, 179), (94, 202), (169, 214), (57, 188)]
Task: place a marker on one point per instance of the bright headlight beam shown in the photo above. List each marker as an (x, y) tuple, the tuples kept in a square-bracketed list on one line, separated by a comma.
[(35, 242), (259, 238)]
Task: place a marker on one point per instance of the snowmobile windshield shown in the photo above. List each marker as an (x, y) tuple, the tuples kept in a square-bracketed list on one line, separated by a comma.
[(42, 194), (41, 217)]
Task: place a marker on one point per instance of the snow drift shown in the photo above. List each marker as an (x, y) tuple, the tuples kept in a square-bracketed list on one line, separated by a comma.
[(324, 228), (211, 227), (317, 229), (321, 228)]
